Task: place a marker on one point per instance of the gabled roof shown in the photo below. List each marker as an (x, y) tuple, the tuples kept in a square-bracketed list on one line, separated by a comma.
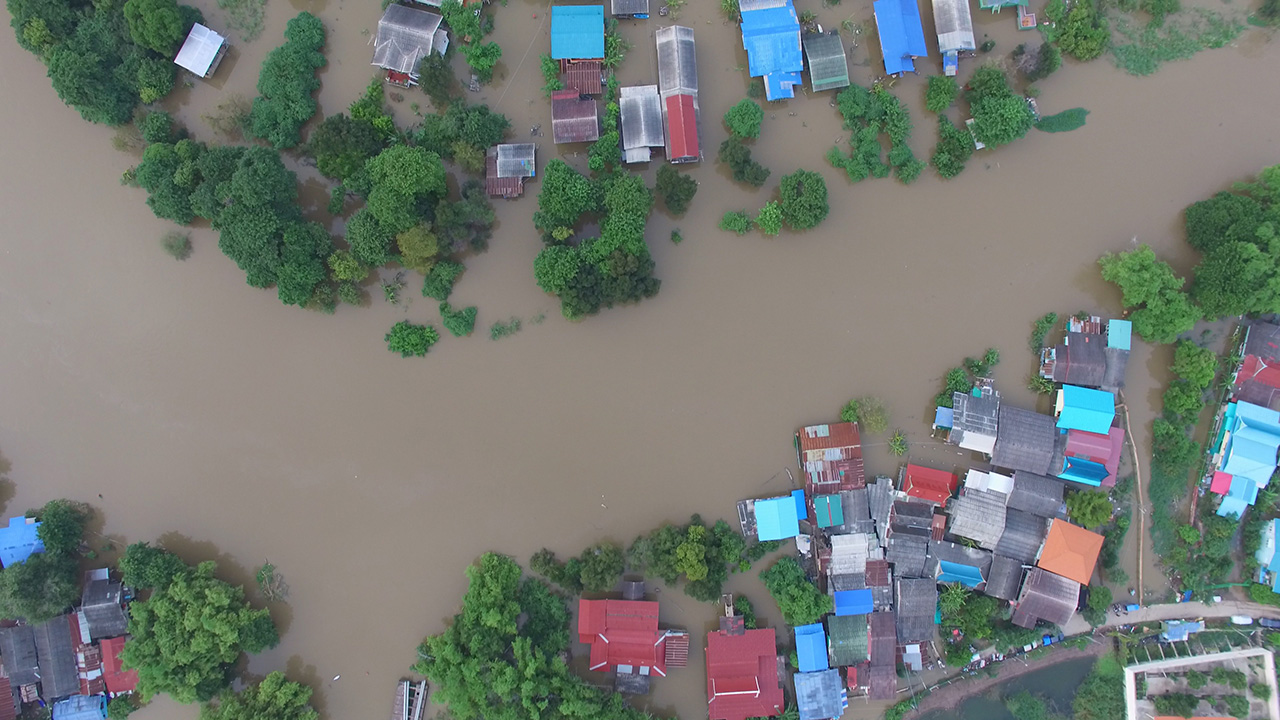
[(853, 602), (81, 707), (1023, 535), (57, 659), (850, 639), (1080, 360), (641, 113), (819, 695), (199, 50), (954, 24), (577, 32), (629, 7), (101, 605), (19, 540), (516, 160), (682, 128), (18, 649), (573, 118), (907, 554), (742, 675), (1070, 551), (811, 647), (1104, 449), (884, 639), (978, 515), (857, 511), (901, 34), (405, 36), (1251, 446), (973, 424), (851, 551), (952, 562), (771, 37), (1024, 440), (776, 518), (828, 66), (883, 683), (880, 499), (916, 606), (929, 484), (1005, 578), (622, 632), (1036, 494), (117, 678), (1258, 379), (829, 510), (677, 61), (1046, 596), (1086, 409)]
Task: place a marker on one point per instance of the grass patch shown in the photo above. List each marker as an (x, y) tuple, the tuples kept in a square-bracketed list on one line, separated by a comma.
[(245, 17), (1141, 50), (177, 244), (1065, 121), (500, 330)]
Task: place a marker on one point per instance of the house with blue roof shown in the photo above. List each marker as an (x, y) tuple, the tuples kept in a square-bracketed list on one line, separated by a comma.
[(577, 32), (779, 518), (811, 648), (771, 37), (1086, 409), (19, 541), (1267, 557), (81, 707), (854, 602), (1180, 630), (1246, 456), (901, 34)]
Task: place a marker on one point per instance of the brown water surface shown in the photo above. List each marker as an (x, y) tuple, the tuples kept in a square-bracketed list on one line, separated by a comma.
[(201, 409)]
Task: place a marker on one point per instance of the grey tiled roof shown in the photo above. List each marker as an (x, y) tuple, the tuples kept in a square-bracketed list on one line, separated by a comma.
[(57, 660), (979, 516), (1005, 578), (1036, 494), (880, 499), (818, 694), (1080, 360), (1046, 596), (18, 648), (1024, 440), (1023, 535), (916, 605), (1117, 364), (101, 605), (907, 553)]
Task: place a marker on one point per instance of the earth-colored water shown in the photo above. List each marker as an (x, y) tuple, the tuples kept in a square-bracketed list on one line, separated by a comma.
[(1055, 684), (208, 414)]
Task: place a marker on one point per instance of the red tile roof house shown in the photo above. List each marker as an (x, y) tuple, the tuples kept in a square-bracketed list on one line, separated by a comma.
[(119, 681), (623, 635), (742, 675), (928, 484)]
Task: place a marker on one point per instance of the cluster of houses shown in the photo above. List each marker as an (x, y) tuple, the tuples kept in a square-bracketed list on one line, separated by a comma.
[(71, 662)]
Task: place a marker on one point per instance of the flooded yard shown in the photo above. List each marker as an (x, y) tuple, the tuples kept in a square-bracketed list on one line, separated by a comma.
[(187, 406)]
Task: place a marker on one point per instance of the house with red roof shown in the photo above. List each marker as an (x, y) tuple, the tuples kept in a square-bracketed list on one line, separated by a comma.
[(742, 674), (1257, 379), (928, 484), (624, 636), (1097, 448), (119, 681)]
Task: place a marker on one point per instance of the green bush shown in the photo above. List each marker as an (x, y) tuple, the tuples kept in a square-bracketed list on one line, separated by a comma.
[(411, 340), (769, 219), (736, 221), (458, 322), (1065, 121), (955, 147), (804, 199), (177, 244), (940, 93), (744, 119), (797, 598)]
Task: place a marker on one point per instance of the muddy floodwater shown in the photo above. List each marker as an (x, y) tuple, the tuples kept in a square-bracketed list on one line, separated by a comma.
[(206, 413)]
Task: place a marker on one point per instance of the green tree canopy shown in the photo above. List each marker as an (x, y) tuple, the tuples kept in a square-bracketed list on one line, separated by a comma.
[(566, 196), (342, 145), (146, 567), (275, 698), (1101, 695), (467, 222), (40, 588), (1239, 277), (769, 218), (1089, 508), (1149, 284), (676, 189), (404, 185), (438, 283), (286, 83), (734, 153), (797, 598), (459, 322), (999, 116), (941, 91), (955, 147), (601, 567), (804, 199), (411, 340), (744, 119), (62, 526), (1194, 364), (1082, 31), (156, 24), (189, 634), (1224, 218)]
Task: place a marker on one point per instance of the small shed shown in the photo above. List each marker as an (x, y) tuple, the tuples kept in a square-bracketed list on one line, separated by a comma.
[(201, 51), (577, 32), (828, 65), (405, 36), (640, 108), (19, 540), (820, 695), (574, 118), (811, 648), (901, 34), (505, 168), (629, 8)]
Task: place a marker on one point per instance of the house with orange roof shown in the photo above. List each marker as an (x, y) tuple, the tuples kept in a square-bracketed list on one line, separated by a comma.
[(1070, 551)]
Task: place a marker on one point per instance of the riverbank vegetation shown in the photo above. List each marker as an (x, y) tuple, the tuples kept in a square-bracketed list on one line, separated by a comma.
[(1065, 121), (287, 82), (47, 583), (468, 30), (868, 114), (1101, 695)]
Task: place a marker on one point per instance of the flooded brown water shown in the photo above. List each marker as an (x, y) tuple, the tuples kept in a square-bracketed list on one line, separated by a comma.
[(208, 413)]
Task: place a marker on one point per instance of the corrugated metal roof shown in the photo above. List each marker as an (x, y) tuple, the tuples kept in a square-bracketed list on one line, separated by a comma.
[(1081, 408), (677, 61), (103, 611), (736, 663), (901, 34), (880, 498), (1024, 440), (629, 7), (1023, 535), (819, 695), (81, 707), (641, 112), (200, 50), (771, 37), (118, 679), (974, 421), (929, 484), (682, 128), (907, 553), (850, 639), (19, 540), (943, 555), (884, 639), (954, 24), (516, 160), (828, 66), (811, 647), (57, 659), (577, 32), (1047, 597), (405, 36), (1036, 494), (18, 648), (978, 515), (916, 606), (1080, 360), (573, 118), (1005, 578)]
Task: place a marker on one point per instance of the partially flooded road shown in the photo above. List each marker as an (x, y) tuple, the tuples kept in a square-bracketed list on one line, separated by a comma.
[(198, 406)]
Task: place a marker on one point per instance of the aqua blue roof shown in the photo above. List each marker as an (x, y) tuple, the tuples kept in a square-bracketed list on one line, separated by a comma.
[(577, 32), (1086, 409), (797, 496), (854, 602), (944, 417), (811, 648), (1232, 507), (1083, 471), (776, 519), (19, 541), (1251, 448), (81, 707), (901, 34), (966, 575), (1119, 334), (771, 37), (1176, 630)]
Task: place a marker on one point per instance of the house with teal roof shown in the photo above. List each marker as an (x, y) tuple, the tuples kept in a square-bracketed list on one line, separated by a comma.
[(1086, 409), (779, 518), (829, 510), (1246, 455)]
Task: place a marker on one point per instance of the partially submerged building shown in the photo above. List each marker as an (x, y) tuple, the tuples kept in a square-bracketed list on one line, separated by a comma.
[(742, 674), (1080, 408), (56, 658), (1046, 596), (955, 32), (975, 417), (201, 52), (625, 638), (577, 33), (506, 167), (901, 34), (404, 38), (1036, 494), (1092, 354), (640, 108), (773, 518), (1024, 441), (574, 118), (1244, 455), (629, 8), (678, 91), (771, 37), (1257, 379), (820, 695), (1070, 551), (828, 65), (102, 612), (19, 540), (830, 456)]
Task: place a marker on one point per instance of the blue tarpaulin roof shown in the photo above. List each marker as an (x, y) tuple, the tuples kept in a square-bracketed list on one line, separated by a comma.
[(1119, 334), (854, 602), (19, 541), (776, 519), (771, 37), (81, 707), (811, 648), (1086, 472), (1085, 409), (577, 32), (966, 575), (944, 417), (901, 34)]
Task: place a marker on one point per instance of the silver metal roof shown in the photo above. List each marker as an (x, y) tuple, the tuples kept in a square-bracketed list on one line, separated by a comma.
[(677, 66), (955, 25), (199, 50), (516, 160), (641, 111), (405, 36)]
